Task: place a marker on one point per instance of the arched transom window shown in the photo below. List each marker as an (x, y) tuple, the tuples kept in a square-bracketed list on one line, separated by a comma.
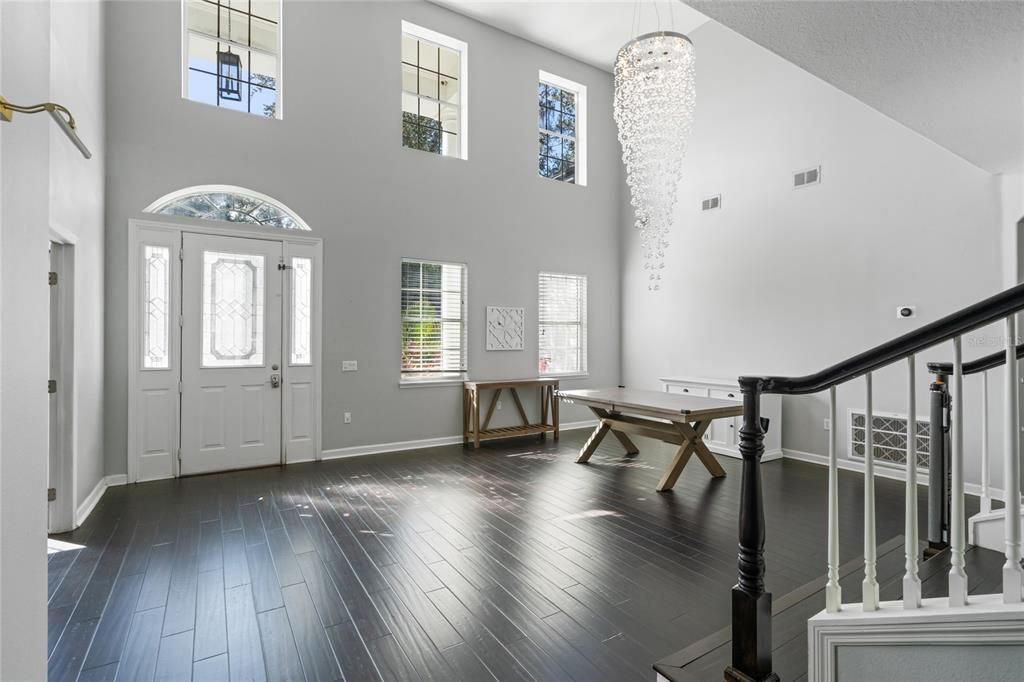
[(231, 204)]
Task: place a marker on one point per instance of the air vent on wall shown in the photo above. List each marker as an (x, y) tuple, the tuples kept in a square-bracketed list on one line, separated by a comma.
[(889, 433), (809, 176), (711, 203)]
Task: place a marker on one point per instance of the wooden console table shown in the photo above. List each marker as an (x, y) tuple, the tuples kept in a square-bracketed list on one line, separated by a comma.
[(473, 431)]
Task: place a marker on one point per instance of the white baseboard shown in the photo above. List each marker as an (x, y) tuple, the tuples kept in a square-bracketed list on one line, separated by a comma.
[(881, 471), (398, 446), (93, 498)]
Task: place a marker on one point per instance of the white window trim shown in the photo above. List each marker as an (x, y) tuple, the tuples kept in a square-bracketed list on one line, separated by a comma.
[(580, 91), (441, 378), (279, 86), (463, 49), (583, 372)]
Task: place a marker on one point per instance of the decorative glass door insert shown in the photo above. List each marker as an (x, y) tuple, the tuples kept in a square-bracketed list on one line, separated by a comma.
[(233, 309)]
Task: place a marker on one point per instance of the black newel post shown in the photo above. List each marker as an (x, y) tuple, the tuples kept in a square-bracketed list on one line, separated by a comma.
[(751, 605), (938, 471)]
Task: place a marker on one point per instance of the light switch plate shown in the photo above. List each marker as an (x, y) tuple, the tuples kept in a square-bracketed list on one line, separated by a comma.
[(349, 365)]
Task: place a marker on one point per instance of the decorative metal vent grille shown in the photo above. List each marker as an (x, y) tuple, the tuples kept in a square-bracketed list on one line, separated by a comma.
[(890, 438)]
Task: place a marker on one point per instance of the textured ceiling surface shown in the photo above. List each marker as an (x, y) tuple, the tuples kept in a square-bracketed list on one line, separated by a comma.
[(591, 31), (952, 71)]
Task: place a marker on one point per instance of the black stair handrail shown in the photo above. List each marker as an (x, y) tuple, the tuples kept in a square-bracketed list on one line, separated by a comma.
[(996, 359), (956, 324)]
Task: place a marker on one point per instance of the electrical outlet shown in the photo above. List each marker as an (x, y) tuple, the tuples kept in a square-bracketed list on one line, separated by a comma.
[(828, 424), (348, 417), (349, 365)]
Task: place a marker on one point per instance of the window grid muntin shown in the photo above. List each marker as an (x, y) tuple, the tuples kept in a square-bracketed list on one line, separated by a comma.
[(561, 309), (451, 345), (222, 41), (156, 336), (447, 142), (562, 166)]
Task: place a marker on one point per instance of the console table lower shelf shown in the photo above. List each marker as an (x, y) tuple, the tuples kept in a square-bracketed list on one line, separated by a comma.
[(474, 431)]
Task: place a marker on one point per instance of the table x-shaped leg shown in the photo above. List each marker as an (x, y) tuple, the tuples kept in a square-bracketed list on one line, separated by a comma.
[(692, 444), (600, 432)]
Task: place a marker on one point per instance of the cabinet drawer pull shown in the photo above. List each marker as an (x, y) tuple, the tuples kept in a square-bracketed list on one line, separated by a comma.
[(732, 395), (686, 390)]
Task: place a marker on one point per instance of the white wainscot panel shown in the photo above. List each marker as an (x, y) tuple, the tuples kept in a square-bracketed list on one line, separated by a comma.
[(158, 417), (213, 417), (253, 418), (302, 411)]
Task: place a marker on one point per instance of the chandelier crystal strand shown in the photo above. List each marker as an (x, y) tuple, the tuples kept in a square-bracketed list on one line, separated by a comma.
[(655, 95)]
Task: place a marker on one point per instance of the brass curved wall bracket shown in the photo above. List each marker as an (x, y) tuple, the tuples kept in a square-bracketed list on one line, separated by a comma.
[(59, 113)]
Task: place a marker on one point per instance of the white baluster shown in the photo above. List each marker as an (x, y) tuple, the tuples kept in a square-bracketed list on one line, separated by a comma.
[(957, 576), (986, 496), (833, 592), (1013, 574), (870, 586), (911, 581)]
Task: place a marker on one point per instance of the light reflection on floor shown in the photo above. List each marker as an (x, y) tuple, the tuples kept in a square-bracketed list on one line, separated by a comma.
[(54, 546)]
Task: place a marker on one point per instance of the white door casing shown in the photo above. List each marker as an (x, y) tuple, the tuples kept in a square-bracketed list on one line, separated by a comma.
[(62, 466), (162, 441), (231, 353)]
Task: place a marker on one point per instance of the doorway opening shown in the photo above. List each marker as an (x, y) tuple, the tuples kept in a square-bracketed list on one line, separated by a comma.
[(61, 466)]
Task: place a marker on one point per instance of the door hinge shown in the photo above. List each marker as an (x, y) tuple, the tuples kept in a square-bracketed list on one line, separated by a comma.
[(181, 254), (181, 321), (51, 386), (179, 387), (52, 279), (282, 266), (51, 494)]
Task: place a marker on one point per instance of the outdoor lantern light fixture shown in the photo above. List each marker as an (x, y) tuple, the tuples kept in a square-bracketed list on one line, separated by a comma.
[(229, 72), (653, 109)]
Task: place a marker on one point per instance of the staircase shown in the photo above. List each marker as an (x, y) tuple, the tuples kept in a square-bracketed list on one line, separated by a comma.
[(706, 659), (988, 529), (958, 616)]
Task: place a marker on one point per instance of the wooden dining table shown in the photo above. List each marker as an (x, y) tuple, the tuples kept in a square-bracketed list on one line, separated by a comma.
[(669, 417)]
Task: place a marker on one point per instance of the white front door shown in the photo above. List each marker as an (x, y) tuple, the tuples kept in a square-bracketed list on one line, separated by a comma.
[(231, 353)]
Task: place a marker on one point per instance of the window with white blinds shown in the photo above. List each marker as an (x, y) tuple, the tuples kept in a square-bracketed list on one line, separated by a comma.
[(563, 323), (433, 320)]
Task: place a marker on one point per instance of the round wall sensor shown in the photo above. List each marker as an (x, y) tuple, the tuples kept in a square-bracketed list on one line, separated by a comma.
[(905, 311)]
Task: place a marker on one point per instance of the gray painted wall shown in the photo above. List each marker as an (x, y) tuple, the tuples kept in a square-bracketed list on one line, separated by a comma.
[(785, 281), (336, 159)]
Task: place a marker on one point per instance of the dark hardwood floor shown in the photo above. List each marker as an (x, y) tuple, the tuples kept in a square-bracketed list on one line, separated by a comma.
[(508, 563)]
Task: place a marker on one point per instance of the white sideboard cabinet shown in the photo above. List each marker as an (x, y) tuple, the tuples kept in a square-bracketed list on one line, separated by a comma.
[(723, 436)]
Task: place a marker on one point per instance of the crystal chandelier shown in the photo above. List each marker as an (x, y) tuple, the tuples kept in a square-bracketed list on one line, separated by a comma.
[(653, 109)]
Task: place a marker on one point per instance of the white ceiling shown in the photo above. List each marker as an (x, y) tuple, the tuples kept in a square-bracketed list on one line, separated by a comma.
[(952, 71), (589, 30)]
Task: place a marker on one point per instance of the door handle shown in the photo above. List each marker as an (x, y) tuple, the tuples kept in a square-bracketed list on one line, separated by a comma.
[(275, 381)]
